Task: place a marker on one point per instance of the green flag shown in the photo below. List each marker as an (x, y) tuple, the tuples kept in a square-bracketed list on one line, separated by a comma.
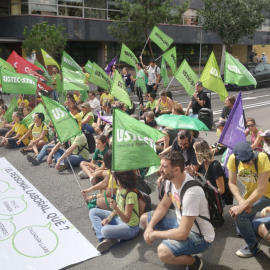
[(236, 73), (99, 77), (48, 60), (211, 78), (88, 66), (45, 74), (65, 125), (128, 56), (141, 84), (119, 89), (29, 119), (187, 77), (73, 80), (163, 72), (59, 84), (133, 143), (7, 66), (16, 83), (152, 170), (69, 63), (12, 107), (170, 57), (62, 97), (160, 38), (84, 96)]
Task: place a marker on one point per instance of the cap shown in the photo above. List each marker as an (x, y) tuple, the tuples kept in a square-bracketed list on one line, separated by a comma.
[(243, 152), (266, 134), (263, 53), (221, 123)]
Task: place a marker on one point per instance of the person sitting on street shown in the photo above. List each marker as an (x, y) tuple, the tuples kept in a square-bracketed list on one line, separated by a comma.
[(219, 148), (182, 231), (74, 155), (106, 97), (3, 122), (151, 104), (75, 112), (100, 124), (254, 132), (229, 102), (77, 96), (87, 118), (122, 222), (149, 119), (91, 169), (22, 101), (39, 132), (254, 174), (32, 104), (178, 109), (164, 104), (19, 130), (198, 100), (93, 102), (266, 139)]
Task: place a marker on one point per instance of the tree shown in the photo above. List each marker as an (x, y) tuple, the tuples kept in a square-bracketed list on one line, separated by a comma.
[(138, 17), (232, 19), (48, 37)]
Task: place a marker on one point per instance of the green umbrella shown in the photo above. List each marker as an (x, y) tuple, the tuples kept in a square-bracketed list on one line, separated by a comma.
[(181, 122)]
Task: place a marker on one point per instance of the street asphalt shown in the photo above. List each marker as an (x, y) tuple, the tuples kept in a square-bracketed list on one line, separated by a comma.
[(62, 190)]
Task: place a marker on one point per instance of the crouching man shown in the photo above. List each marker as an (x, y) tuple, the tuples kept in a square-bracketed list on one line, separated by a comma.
[(183, 234)]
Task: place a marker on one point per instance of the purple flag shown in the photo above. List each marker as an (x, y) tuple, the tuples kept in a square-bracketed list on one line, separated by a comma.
[(107, 119), (234, 129), (109, 66)]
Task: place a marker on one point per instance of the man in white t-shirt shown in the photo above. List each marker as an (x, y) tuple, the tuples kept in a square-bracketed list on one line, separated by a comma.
[(184, 234), (153, 74), (94, 102)]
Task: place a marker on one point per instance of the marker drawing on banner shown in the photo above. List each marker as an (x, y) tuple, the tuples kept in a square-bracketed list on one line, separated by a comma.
[(4, 186), (7, 229), (12, 206)]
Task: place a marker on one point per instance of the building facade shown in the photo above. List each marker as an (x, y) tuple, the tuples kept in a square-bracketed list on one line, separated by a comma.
[(86, 22)]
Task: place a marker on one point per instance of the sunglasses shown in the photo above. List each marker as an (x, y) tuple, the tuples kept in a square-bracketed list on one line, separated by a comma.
[(251, 125), (82, 107), (51, 126)]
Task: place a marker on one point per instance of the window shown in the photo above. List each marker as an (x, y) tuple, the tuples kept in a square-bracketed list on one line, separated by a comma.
[(75, 3), (43, 9), (18, 8), (96, 3), (4, 7), (70, 11), (259, 68), (267, 66), (113, 5), (95, 13), (46, 2)]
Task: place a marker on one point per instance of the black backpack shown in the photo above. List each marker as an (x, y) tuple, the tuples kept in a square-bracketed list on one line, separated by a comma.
[(213, 198), (169, 94), (142, 185), (90, 146)]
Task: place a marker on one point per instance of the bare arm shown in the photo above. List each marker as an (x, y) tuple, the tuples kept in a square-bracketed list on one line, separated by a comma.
[(169, 110), (220, 184), (234, 188), (188, 108), (257, 142), (86, 120)]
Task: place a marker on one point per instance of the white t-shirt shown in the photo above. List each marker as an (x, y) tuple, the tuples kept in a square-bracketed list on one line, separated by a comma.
[(194, 204), (152, 74), (95, 105)]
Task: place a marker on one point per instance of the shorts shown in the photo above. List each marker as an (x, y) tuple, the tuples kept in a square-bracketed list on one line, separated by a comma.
[(150, 88), (13, 142), (257, 222), (194, 244)]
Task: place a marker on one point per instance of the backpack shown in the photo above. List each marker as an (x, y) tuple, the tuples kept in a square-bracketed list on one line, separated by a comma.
[(213, 198), (90, 146), (142, 185), (169, 94), (43, 124), (144, 201)]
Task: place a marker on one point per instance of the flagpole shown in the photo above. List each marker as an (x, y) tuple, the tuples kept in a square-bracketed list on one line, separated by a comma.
[(118, 64), (144, 46), (169, 83), (158, 57)]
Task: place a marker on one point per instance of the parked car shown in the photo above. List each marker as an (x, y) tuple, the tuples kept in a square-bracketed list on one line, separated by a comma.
[(260, 71)]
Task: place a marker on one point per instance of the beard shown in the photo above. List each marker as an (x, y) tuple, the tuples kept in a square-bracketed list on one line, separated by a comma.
[(167, 176)]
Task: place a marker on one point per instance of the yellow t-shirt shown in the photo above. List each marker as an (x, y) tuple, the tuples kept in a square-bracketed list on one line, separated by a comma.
[(21, 130), (105, 97), (110, 180), (36, 131), (248, 174), (78, 117), (25, 101), (76, 97)]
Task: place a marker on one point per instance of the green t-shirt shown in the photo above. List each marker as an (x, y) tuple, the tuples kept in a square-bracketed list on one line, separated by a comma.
[(91, 121), (151, 106), (132, 198), (141, 74), (100, 155), (80, 141)]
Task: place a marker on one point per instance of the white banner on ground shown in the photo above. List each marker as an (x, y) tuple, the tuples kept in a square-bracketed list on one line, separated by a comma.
[(33, 233)]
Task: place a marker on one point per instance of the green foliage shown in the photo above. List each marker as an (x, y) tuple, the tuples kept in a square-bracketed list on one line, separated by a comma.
[(233, 19), (48, 37), (138, 17)]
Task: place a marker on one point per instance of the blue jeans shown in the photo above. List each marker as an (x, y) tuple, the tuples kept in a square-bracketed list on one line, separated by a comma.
[(87, 128), (43, 151), (116, 229), (54, 95), (257, 222), (193, 115), (194, 244), (129, 89), (74, 160), (244, 221)]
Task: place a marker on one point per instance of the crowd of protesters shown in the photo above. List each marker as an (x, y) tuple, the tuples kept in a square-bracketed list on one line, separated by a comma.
[(182, 223)]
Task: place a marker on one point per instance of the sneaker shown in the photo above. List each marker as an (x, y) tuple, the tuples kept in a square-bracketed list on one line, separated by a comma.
[(63, 167), (246, 252), (197, 265), (33, 160), (82, 175), (106, 244)]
